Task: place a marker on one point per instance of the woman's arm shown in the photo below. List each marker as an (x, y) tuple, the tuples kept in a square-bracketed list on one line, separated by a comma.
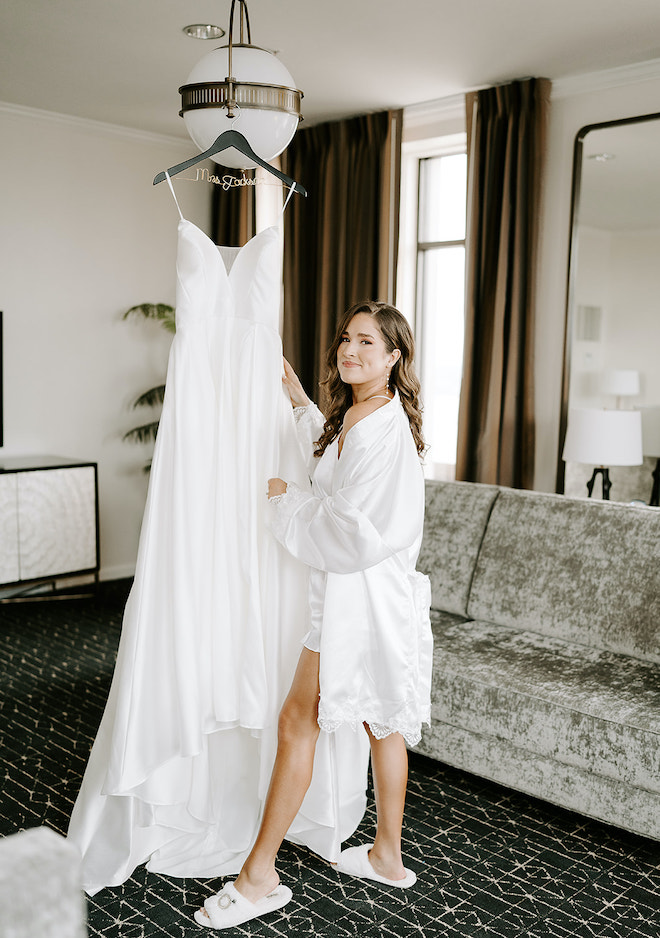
[(293, 387), (309, 419), (374, 514), (276, 487), (329, 534)]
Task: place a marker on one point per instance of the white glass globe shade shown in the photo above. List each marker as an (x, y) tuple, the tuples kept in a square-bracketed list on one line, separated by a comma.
[(268, 132)]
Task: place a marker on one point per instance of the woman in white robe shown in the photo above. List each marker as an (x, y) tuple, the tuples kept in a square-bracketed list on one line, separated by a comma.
[(367, 659)]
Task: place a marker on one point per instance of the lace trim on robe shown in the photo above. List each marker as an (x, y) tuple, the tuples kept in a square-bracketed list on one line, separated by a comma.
[(308, 418), (284, 507), (407, 722)]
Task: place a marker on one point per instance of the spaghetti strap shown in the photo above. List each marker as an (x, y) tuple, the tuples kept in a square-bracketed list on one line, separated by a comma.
[(169, 183)]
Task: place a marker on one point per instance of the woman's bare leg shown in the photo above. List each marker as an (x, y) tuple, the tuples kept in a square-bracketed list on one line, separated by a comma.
[(298, 732), (389, 764)]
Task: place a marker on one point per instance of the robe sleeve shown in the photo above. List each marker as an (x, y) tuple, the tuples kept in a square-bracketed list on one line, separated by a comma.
[(309, 427), (375, 512)]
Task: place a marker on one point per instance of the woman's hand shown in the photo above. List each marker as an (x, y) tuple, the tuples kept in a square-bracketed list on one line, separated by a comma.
[(276, 487), (294, 388)]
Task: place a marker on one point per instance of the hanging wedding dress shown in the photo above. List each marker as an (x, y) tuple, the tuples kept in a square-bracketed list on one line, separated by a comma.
[(213, 626)]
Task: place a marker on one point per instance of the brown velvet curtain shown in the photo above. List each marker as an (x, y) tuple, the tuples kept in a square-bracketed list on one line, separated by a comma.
[(506, 144), (340, 243), (232, 210)]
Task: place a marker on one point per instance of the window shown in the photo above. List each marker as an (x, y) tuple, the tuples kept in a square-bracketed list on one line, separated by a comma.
[(432, 273)]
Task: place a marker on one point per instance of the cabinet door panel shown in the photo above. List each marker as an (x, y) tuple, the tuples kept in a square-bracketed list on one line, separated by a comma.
[(56, 521), (9, 571)]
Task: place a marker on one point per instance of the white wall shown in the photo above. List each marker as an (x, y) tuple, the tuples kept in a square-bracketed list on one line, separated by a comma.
[(84, 235), (574, 104), (592, 288), (620, 273), (633, 333)]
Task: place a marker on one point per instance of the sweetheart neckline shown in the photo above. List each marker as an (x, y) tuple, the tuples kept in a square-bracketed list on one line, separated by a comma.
[(229, 273), (239, 248)]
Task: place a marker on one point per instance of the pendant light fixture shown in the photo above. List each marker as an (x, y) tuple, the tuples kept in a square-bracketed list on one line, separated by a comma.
[(241, 87)]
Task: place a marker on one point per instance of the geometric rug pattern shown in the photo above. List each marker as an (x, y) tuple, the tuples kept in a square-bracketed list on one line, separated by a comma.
[(489, 861)]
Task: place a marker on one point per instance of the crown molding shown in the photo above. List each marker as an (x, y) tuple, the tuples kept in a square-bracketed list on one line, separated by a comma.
[(84, 123), (606, 79), (453, 106), (439, 109)]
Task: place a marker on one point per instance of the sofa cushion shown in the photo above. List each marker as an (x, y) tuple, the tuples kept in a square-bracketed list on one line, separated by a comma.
[(582, 707), (587, 571), (456, 517)]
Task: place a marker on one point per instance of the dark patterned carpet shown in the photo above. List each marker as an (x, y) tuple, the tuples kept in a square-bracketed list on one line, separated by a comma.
[(490, 862)]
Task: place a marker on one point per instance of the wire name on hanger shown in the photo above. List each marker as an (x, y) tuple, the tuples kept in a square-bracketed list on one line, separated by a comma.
[(227, 181)]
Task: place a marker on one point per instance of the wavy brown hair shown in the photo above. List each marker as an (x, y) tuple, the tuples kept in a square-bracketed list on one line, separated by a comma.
[(396, 334)]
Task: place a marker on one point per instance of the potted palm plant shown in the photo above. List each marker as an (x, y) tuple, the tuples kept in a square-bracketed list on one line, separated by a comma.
[(164, 315)]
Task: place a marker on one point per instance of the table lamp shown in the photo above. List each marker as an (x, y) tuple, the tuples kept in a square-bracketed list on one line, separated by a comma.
[(603, 438), (620, 383)]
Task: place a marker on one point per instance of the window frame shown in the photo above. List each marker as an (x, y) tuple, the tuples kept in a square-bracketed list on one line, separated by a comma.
[(411, 249), (412, 153)]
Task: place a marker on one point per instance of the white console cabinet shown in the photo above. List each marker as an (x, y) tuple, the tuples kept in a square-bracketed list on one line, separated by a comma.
[(48, 519)]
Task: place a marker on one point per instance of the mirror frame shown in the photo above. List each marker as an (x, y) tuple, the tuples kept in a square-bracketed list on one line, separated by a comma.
[(571, 278)]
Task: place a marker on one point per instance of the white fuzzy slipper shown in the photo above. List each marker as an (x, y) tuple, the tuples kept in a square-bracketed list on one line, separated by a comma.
[(228, 908), (354, 861)]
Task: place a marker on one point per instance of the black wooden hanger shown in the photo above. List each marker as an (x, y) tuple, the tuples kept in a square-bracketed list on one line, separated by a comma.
[(231, 138)]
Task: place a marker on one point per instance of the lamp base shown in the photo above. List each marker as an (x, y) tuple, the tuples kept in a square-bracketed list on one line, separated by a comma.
[(655, 491), (607, 484)]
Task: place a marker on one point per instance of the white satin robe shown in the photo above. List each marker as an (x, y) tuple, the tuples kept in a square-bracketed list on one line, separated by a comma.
[(360, 530)]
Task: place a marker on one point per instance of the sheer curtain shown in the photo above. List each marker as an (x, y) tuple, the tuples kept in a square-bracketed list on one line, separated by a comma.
[(340, 243), (506, 143)]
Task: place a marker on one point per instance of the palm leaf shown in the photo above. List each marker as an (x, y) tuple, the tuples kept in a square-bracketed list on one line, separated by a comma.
[(165, 316), (161, 312), (151, 398)]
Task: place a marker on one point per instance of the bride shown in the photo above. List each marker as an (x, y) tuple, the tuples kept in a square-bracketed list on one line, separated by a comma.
[(366, 660)]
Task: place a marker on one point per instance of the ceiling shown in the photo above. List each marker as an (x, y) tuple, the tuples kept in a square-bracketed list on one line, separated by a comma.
[(122, 61)]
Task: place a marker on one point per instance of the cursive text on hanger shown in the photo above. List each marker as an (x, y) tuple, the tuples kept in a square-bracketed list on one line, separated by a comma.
[(227, 181)]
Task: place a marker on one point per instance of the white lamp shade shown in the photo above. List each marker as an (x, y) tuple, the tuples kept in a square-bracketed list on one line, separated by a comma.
[(651, 431), (268, 131), (621, 382), (604, 437)]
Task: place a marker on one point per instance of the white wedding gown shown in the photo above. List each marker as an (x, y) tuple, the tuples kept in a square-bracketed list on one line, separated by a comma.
[(213, 626)]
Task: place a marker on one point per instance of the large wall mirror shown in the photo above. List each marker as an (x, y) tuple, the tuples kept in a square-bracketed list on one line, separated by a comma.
[(612, 352)]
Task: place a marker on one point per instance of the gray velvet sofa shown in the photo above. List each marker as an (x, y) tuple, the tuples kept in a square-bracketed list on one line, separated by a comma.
[(546, 620)]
